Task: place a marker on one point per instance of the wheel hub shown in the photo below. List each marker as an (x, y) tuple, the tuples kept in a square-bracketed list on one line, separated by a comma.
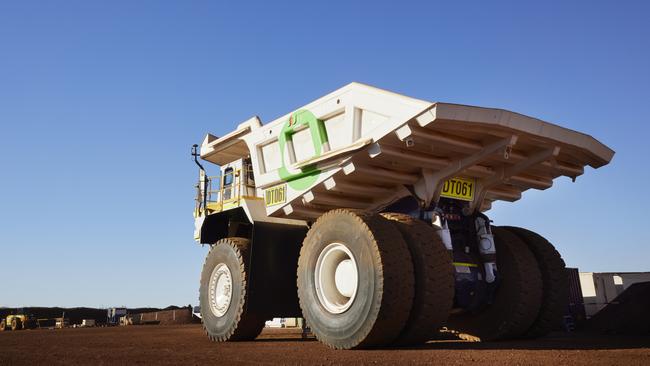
[(337, 278), (220, 290)]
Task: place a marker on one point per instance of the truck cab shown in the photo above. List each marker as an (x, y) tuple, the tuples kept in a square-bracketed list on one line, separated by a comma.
[(225, 191)]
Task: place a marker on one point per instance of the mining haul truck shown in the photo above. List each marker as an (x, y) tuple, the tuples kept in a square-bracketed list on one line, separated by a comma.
[(19, 321), (364, 212)]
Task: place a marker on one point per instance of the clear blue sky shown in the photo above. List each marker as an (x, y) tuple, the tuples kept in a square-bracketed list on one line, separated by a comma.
[(100, 102)]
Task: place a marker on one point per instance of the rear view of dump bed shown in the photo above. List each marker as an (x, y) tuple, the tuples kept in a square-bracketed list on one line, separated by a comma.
[(364, 213), (363, 148)]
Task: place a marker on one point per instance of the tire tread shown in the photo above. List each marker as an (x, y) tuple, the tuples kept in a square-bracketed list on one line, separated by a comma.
[(554, 281), (247, 326), (434, 279)]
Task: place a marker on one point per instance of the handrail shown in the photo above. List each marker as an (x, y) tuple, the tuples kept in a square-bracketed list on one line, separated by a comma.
[(216, 196)]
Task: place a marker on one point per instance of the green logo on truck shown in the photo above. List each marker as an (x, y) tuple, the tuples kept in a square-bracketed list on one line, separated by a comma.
[(304, 178)]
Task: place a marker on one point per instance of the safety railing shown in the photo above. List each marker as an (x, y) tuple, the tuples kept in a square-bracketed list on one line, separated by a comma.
[(225, 191)]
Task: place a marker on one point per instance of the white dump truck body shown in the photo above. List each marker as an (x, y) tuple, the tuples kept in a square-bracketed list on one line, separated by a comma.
[(362, 147)]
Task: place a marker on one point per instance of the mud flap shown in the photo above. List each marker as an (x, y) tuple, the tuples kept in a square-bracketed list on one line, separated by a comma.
[(274, 263)]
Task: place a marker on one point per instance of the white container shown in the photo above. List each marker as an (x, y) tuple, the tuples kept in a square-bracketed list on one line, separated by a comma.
[(88, 323), (599, 289)]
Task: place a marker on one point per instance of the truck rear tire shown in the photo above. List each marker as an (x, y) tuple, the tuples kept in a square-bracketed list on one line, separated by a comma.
[(555, 285), (3, 325), (355, 280), (434, 279), (223, 293), (517, 299)]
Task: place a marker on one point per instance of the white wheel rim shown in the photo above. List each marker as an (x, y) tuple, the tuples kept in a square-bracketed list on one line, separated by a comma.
[(336, 278), (220, 290)]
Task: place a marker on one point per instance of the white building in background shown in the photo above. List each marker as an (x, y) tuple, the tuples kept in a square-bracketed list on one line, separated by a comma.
[(274, 323), (599, 289), (283, 323)]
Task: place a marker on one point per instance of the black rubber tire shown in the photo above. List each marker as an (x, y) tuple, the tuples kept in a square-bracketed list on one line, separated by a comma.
[(555, 283), (3, 325), (16, 324), (517, 299), (237, 324), (385, 281), (434, 279)]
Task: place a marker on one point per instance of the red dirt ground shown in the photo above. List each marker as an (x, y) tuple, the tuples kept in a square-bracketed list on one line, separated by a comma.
[(187, 345)]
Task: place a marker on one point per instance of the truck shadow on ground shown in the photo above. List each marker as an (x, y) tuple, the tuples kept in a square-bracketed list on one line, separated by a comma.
[(585, 341), (555, 341)]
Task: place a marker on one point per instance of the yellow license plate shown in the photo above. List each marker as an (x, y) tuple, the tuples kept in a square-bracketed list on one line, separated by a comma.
[(459, 188), (275, 195)]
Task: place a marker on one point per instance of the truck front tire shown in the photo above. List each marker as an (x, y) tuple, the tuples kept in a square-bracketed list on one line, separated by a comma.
[(355, 280), (223, 293)]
